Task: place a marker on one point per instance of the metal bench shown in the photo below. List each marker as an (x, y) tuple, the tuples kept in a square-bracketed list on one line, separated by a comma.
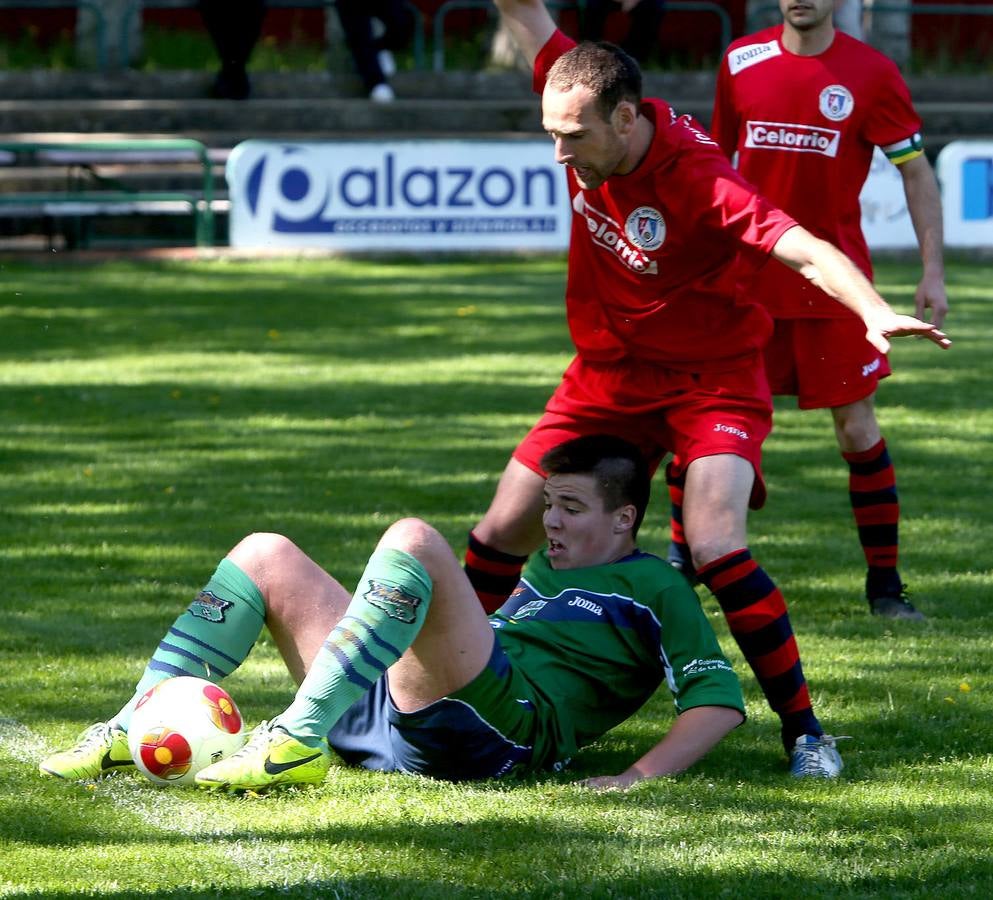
[(89, 193)]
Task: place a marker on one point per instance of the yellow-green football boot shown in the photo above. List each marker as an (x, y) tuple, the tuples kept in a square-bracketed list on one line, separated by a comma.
[(100, 751), (272, 757)]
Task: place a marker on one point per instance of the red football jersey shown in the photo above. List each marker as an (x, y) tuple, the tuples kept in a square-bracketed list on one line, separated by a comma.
[(652, 253), (804, 129)]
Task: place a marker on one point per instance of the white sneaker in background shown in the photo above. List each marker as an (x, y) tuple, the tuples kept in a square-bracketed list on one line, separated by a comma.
[(382, 93)]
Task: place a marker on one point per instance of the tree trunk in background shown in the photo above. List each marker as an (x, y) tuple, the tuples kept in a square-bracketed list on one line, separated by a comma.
[(339, 56), (889, 32), (115, 43), (848, 17)]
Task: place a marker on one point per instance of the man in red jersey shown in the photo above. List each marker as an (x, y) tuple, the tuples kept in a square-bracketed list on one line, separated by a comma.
[(668, 356), (808, 149)]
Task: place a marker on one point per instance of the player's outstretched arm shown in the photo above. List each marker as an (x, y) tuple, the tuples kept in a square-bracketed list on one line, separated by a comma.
[(530, 24), (834, 273), (924, 204), (694, 734)]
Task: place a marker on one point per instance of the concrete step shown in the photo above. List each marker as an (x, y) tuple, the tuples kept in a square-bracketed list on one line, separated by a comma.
[(409, 85), (254, 118), (225, 123), (464, 85), (971, 118), (301, 105)]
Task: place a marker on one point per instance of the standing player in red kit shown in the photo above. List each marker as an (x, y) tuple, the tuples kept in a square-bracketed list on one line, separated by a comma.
[(667, 355), (803, 106)]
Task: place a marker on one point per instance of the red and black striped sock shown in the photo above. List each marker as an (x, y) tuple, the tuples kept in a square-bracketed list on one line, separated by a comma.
[(493, 573), (756, 614), (679, 551), (872, 491)]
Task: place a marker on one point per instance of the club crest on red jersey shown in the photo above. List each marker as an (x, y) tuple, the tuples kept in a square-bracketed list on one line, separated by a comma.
[(645, 228), (836, 102)]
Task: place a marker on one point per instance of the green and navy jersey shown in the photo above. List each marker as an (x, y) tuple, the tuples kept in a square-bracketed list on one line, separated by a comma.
[(596, 653)]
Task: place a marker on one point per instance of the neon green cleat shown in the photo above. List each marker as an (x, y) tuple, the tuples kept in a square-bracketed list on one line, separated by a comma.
[(100, 751), (271, 757)]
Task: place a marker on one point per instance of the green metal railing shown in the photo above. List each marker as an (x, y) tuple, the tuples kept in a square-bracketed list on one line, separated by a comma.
[(108, 192)]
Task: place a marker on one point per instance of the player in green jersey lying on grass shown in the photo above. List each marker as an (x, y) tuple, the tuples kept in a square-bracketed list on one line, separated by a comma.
[(409, 674)]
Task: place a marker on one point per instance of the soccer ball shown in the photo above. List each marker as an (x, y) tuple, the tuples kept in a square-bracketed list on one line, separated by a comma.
[(181, 726)]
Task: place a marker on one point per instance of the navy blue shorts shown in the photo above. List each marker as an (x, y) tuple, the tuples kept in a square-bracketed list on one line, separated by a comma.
[(485, 730)]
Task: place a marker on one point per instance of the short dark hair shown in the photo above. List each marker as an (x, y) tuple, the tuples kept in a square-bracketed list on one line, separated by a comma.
[(618, 466), (605, 69)]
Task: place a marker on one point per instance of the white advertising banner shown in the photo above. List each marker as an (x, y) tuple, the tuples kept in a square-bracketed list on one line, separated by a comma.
[(965, 170), (886, 220), (398, 195), (440, 195)]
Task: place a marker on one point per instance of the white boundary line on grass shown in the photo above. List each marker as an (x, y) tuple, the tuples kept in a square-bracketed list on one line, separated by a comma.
[(166, 810)]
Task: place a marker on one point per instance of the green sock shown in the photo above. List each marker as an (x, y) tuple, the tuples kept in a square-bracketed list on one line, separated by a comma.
[(385, 615), (210, 639)]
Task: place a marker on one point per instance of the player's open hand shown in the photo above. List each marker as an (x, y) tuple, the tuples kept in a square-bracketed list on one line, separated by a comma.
[(890, 325), (611, 782)]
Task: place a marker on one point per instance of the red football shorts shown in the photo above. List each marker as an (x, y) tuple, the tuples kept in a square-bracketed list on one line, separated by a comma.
[(823, 362), (690, 415)]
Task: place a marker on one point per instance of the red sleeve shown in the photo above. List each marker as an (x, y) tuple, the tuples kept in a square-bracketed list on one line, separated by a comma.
[(554, 47), (755, 223), (728, 205), (893, 118), (724, 122)]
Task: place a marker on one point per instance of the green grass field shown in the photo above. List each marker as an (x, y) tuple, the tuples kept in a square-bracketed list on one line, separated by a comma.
[(155, 412)]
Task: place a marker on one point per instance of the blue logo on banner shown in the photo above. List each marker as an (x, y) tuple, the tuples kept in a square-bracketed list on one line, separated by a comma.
[(977, 189), (303, 196)]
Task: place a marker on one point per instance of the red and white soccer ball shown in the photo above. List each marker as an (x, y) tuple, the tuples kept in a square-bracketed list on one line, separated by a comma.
[(181, 726)]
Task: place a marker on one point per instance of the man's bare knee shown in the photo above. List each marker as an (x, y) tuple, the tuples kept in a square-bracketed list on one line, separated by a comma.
[(263, 553), (258, 546), (717, 535), (512, 524), (416, 537), (707, 549), (855, 425)]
